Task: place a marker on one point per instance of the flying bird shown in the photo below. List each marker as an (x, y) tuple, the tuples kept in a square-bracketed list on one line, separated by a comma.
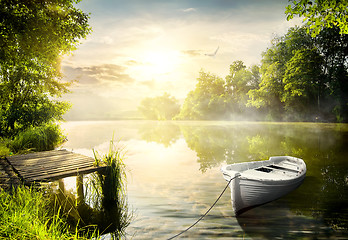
[(212, 54)]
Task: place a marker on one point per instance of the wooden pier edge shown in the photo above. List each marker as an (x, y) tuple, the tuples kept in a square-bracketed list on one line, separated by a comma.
[(52, 165)]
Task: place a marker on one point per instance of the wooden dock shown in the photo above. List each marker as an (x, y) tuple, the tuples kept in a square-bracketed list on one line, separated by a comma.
[(51, 165)]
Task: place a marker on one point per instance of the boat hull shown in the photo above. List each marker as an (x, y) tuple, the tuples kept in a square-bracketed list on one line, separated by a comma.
[(254, 187), (247, 194)]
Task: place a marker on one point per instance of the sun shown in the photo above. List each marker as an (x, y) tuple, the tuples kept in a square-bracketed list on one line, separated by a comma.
[(160, 62)]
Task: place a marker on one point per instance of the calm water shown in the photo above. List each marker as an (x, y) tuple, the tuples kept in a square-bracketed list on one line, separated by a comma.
[(174, 176)]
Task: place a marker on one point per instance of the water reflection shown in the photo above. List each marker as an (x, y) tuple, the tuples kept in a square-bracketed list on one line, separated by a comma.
[(323, 146), (87, 210), (165, 133), (174, 176)]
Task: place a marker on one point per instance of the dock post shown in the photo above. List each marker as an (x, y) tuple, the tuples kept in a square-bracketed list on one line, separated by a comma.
[(79, 189)]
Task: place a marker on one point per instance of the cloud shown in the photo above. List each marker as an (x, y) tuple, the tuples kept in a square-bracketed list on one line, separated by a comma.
[(192, 53), (99, 74), (187, 10), (150, 84), (133, 63)]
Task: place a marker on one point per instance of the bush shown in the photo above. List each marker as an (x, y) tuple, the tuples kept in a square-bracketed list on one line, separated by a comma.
[(4, 150), (42, 138)]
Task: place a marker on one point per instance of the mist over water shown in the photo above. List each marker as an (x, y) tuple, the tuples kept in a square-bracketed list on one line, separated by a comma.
[(174, 176)]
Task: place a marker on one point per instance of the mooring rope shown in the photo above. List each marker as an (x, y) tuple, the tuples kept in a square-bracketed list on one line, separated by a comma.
[(205, 214)]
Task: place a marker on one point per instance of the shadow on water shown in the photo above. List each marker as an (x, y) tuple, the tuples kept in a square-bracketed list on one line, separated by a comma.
[(294, 216)]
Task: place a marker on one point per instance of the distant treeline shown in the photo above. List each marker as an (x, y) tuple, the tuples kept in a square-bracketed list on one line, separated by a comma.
[(300, 78)]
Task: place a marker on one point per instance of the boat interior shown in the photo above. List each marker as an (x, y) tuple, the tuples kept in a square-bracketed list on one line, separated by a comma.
[(281, 170)]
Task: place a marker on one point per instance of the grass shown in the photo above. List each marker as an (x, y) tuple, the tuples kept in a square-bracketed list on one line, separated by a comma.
[(35, 139), (104, 209), (109, 190), (4, 149), (32, 213), (41, 138), (25, 214)]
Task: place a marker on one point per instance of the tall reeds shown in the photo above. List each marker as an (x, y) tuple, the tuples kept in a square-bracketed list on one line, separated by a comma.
[(102, 207), (109, 189)]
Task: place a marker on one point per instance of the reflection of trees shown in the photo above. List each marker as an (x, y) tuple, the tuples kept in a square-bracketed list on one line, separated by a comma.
[(164, 133), (325, 191), (231, 143), (210, 146), (217, 144)]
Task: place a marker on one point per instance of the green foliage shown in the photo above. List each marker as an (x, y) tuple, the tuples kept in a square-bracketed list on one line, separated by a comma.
[(165, 133), (24, 214), (34, 35), (238, 83), (207, 100), (42, 138), (268, 95), (320, 14), (304, 78), (302, 81), (109, 189), (4, 149), (300, 78), (216, 98), (164, 107), (26, 112)]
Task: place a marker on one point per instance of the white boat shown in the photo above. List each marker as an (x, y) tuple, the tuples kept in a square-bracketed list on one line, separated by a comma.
[(259, 182)]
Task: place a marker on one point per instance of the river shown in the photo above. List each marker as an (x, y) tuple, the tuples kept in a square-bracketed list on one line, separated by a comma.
[(173, 176)]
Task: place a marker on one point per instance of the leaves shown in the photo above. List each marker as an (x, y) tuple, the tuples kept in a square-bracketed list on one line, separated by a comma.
[(216, 98), (34, 35), (164, 107), (320, 14)]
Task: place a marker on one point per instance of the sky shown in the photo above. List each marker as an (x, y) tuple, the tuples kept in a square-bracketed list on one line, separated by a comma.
[(144, 48)]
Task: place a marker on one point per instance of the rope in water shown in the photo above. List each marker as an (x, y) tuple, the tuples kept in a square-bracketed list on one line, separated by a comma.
[(205, 214)]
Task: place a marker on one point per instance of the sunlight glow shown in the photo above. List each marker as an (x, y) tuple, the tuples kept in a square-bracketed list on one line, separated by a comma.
[(160, 62)]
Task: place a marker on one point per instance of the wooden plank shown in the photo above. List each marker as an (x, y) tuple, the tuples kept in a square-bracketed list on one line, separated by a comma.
[(50, 158), (56, 176), (38, 155), (43, 167), (51, 165), (60, 169), (48, 162)]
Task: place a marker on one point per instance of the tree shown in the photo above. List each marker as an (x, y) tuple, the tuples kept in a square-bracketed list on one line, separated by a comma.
[(304, 77), (34, 35), (333, 47), (268, 95), (207, 100), (320, 14), (302, 83), (238, 83), (164, 107)]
